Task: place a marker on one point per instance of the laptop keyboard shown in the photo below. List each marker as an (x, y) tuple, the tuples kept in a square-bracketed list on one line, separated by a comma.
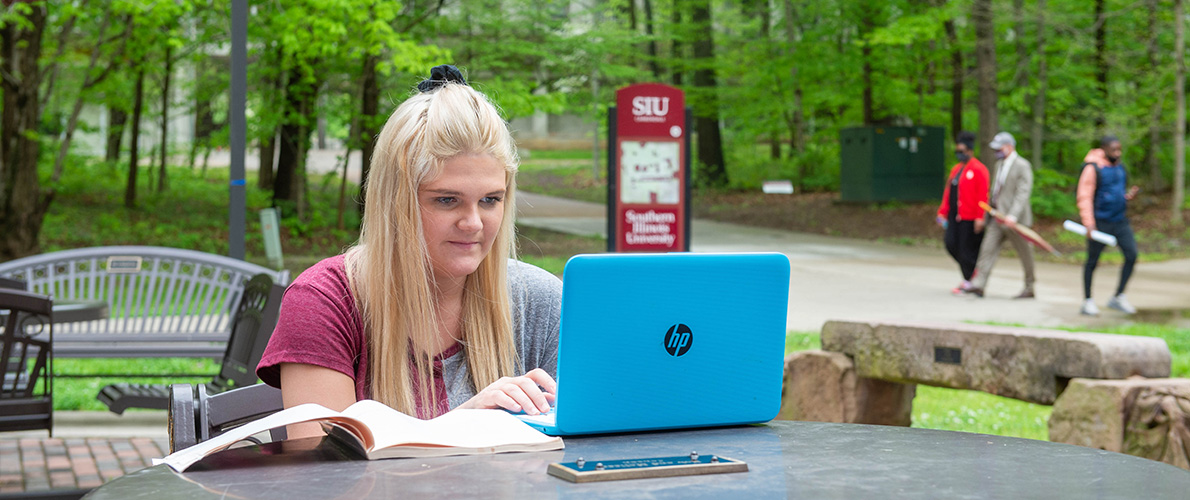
[(547, 418)]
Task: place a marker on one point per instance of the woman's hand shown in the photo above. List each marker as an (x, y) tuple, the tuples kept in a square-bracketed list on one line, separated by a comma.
[(531, 393)]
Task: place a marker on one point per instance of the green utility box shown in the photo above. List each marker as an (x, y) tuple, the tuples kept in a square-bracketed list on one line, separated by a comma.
[(879, 163)]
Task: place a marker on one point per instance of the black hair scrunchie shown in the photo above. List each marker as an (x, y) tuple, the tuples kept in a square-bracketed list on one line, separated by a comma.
[(441, 75)]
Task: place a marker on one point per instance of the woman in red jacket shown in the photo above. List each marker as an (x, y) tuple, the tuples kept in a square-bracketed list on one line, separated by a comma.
[(960, 214)]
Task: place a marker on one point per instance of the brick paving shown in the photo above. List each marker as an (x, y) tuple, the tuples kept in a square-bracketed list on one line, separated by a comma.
[(29, 465)]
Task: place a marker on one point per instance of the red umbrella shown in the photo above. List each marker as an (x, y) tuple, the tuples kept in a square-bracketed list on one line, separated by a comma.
[(1028, 234)]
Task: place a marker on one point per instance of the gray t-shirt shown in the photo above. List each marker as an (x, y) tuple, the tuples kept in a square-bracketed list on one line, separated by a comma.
[(536, 297)]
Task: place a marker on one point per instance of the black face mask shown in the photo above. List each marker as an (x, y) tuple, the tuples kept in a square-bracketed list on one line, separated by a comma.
[(1113, 159), (961, 156)]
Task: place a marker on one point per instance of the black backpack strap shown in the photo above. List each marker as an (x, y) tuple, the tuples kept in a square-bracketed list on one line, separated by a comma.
[(1096, 167)]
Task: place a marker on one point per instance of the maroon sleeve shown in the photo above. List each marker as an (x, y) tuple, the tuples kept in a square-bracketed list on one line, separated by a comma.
[(319, 324)]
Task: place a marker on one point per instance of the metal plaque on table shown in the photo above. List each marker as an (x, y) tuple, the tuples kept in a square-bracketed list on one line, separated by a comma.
[(583, 471)]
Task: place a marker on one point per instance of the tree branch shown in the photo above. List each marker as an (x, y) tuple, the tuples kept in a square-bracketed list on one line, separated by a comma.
[(9, 78), (425, 15), (116, 56), (50, 73)]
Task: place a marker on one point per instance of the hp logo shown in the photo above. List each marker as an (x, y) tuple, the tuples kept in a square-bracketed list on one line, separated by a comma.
[(678, 339)]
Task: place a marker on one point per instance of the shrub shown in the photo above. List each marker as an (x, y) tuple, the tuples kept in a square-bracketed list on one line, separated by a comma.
[(1053, 194)]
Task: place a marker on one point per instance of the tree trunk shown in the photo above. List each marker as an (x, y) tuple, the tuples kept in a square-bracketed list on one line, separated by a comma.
[(268, 151), (1020, 77), (369, 127), (23, 203), (1152, 152), (321, 130), (956, 79), (653, 66), (1101, 67), (161, 175), (1038, 123), (204, 125), (706, 121), (266, 175), (677, 50), (343, 189), (134, 147), (866, 25), (796, 119), (290, 183), (1179, 140), (115, 132), (759, 9), (985, 69)]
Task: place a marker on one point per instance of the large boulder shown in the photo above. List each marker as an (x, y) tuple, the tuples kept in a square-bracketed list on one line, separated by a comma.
[(823, 387), (1144, 417)]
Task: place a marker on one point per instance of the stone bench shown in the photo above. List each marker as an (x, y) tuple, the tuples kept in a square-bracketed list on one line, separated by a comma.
[(866, 372), (1029, 364)]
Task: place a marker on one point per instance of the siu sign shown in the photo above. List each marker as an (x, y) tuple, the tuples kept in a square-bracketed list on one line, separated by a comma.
[(648, 170)]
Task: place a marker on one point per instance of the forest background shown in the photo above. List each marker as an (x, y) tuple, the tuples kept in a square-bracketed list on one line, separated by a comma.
[(771, 83)]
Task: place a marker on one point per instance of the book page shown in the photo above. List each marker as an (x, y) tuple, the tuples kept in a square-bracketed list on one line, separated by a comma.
[(461, 428), (182, 459)]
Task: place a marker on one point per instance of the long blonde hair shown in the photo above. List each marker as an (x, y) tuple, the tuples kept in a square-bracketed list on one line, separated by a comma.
[(389, 269)]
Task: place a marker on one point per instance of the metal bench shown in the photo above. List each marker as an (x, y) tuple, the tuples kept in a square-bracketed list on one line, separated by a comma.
[(251, 329), (162, 302)]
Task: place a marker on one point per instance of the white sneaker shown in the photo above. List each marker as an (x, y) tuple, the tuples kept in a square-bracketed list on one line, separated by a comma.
[(1120, 303), (1089, 308)]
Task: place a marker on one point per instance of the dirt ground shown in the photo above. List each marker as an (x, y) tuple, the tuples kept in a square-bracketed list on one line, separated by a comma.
[(913, 224)]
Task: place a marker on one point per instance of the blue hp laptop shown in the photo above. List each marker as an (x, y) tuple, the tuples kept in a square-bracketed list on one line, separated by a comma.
[(661, 341)]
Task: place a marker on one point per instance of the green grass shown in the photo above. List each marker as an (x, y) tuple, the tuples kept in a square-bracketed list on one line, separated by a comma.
[(538, 155), (973, 411), (802, 341), (574, 182), (71, 393)]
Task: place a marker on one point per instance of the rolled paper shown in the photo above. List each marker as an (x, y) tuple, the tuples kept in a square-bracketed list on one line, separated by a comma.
[(1081, 230)]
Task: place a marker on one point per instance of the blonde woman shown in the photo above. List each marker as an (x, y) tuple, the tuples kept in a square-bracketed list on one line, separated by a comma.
[(427, 312)]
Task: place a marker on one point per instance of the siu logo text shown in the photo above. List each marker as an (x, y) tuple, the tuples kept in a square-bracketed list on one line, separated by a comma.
[(650, 109), (678, 340)]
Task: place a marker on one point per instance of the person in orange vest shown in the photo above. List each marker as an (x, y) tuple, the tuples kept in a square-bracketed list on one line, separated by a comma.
[(1102, 205)]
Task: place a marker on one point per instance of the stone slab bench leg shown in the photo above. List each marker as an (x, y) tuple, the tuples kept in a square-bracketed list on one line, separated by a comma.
[(823, 386), (1147, 418)]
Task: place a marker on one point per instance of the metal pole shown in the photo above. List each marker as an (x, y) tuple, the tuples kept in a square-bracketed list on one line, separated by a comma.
[(613, 179), (238, 124)]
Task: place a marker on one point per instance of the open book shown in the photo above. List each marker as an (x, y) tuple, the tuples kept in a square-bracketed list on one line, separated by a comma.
[(377, 431)]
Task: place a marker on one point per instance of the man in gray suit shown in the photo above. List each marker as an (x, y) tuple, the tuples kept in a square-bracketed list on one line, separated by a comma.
[(1011, 187)]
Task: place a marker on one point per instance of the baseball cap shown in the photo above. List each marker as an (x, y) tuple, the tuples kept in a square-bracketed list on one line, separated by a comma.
[(1001, 139)]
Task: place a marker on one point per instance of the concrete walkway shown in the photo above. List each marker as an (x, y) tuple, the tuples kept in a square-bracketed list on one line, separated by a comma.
[(842, 278)]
